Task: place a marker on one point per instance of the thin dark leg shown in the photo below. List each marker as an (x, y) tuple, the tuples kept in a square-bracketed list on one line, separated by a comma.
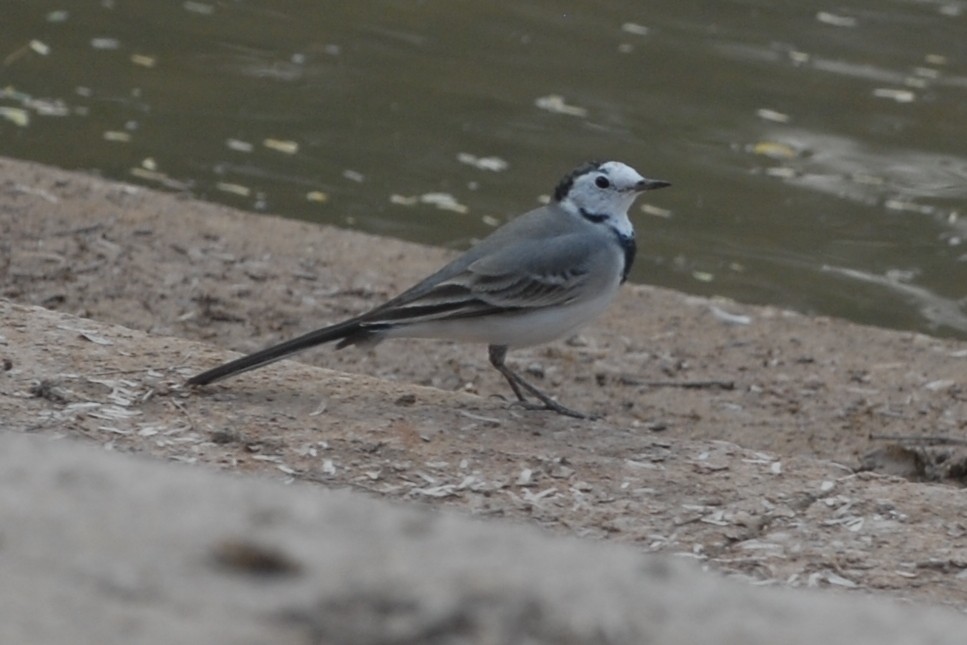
[(497, 355)]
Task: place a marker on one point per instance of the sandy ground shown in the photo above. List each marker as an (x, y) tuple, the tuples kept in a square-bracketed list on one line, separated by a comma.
[(790, 450)]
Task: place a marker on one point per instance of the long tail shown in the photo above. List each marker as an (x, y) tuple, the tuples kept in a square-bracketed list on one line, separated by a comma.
[(349, 332)]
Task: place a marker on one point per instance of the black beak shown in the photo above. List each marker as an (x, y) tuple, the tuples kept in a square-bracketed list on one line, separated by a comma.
[(651, 184)]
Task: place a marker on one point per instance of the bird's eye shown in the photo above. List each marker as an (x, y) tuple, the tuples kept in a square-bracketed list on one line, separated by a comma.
[(602, 182)]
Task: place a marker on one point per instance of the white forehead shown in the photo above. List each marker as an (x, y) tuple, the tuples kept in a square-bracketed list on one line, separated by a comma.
[(619, 173)]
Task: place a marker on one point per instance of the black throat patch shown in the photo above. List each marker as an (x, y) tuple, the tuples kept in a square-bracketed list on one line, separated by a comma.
[(627, 242), (629, 246)]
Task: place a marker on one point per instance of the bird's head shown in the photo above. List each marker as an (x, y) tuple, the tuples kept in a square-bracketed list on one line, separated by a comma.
[(603, 191)]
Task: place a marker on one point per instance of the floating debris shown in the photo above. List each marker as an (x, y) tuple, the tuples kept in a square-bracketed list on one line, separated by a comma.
[(774, 150), (34, 45), (443, 201), (49, 107), (234, 189), (60, 15), (781, 172), (494, 164), (40, 47), (636, 29), (17, 116), (281, 145), (201, 8), (772, 115), (317, 196), (836, 20), (555, 103), (354, 175), (21, 116), (105, 43), (909, 207), (403, 200), (117, 136), (703, 276), (900, 96), (143, 60), (655, 211), (239, 146), (926, 72)]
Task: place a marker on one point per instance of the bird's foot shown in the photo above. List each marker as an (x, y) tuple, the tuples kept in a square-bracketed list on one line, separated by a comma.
[(554, 406)]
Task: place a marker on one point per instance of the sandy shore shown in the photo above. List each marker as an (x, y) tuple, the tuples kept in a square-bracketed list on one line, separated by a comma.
[(756, 441)]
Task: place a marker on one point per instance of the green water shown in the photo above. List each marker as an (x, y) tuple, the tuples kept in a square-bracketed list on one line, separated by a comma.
[(818, 153)]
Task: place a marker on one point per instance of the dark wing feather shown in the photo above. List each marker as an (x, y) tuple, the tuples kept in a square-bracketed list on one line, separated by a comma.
[(535, 275)]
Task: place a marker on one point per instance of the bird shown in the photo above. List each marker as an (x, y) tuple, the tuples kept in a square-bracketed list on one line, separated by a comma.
[(539, 277)]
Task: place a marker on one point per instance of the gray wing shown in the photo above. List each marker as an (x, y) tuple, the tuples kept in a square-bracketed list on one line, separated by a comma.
[(524, 274)]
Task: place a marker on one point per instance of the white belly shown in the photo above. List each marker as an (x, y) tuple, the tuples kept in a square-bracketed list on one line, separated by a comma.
[(513, 330)]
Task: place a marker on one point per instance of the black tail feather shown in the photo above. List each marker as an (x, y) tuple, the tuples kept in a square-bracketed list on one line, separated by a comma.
[(348, 333)]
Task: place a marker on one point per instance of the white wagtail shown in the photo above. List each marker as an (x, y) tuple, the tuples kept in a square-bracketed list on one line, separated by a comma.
[(539, 277)]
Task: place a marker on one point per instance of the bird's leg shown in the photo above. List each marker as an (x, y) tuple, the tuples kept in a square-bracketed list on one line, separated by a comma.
[(497, 355)]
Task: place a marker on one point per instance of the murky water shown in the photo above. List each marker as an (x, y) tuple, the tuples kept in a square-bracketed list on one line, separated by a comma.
[(818, 153)]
